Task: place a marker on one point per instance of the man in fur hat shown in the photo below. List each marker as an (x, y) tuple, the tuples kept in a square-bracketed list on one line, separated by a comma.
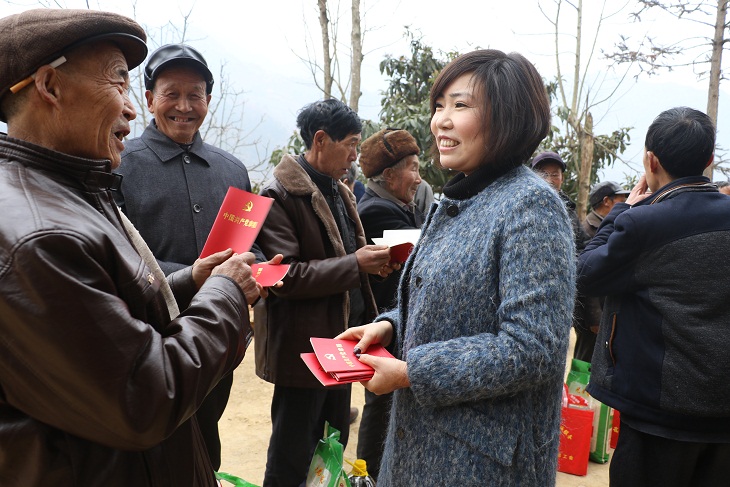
[(100, 372), (314, 224)]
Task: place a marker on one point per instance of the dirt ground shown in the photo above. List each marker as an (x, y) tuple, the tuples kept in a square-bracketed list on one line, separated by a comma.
[(246, 426)]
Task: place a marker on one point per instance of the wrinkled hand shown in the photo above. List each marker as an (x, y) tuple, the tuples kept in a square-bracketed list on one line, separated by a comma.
[(237, 267), (390, 374), (203, 267), (374, 259), (640, 192)]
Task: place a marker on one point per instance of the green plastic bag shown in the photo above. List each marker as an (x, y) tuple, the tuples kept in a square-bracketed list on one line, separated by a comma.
[(578, 377), (236, 481), (326, 468), (577, 380)]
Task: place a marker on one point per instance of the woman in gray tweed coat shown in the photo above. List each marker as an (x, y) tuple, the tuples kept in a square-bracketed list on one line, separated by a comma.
[(485, 299)]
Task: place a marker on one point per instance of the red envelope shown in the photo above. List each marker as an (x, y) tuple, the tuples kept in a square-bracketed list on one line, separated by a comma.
[(238, 222), (269, 274), (399, 253)]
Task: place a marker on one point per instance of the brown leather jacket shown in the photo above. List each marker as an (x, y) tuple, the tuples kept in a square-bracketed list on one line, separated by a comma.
[(97, 385), (313, 301)]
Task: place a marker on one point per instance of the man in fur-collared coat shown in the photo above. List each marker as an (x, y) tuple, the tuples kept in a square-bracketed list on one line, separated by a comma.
[(314, 224)]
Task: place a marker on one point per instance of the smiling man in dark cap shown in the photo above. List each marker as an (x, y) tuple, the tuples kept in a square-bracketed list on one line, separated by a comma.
[(174, 183), (100, 373)]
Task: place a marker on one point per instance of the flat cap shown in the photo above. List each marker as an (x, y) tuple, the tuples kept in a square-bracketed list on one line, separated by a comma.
[(37, 37), (548, 156), (603, 189), (385, 149), (175, 55)]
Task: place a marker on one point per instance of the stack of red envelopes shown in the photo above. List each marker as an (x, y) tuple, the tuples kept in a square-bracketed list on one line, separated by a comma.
[(334, 362)]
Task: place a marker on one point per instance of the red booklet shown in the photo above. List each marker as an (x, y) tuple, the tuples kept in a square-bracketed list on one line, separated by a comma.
[(323, 377), (337, 356), (269, 274), (238, 222), (333, 361)]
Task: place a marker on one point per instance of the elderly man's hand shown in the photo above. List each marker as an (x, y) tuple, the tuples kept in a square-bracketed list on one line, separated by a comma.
[(374, 259), (234, 266)]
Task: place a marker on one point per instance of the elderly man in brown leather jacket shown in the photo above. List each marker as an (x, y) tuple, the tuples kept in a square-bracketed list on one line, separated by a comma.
[(102, 362), (314, 224)]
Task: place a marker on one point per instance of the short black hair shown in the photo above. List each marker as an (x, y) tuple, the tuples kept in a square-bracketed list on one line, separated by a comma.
[(332, 116), (683, 139), (515, 109)]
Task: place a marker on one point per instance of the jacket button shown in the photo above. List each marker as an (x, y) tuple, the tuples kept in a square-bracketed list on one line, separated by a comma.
[(418, 280), (197, 208), (186, 159), (400, 433), (452, 210)]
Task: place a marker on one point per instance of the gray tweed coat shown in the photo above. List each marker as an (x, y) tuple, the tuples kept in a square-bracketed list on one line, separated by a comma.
[(483, 318)]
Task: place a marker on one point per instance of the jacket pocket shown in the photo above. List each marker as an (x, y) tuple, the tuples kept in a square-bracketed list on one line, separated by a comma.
[(491, 429)]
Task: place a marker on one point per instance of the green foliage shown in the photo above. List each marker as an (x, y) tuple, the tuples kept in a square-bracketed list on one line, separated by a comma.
[(405, 103), (566, 142)]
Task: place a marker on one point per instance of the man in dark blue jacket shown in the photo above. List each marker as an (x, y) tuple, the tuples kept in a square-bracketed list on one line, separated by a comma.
[(661, 356)]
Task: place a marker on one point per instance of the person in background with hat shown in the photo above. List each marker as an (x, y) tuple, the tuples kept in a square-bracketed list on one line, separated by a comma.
[(313, 223), (389, 159), (551, 167), (100, 372), (602, 198), (174, 183)]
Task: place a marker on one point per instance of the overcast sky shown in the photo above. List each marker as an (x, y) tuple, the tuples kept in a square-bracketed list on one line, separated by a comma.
[(261, 42)]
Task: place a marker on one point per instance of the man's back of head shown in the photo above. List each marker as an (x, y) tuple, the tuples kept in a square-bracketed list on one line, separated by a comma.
[(683, 139)]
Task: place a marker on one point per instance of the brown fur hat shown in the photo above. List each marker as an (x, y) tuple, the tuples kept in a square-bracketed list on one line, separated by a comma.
[(385, 149)]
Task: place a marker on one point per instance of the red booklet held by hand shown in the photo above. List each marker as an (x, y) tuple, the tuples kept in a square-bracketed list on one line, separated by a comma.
[(238, 222), (334, 362)]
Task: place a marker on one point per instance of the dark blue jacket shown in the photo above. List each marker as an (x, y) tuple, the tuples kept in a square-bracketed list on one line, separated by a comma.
[(662, 356)]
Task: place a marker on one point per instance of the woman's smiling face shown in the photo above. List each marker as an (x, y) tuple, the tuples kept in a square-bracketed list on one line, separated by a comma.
[(457, 126)]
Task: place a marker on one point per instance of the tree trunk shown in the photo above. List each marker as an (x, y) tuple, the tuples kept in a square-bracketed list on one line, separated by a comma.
[(713, 92), (586, 165), (356, 63), (327, 57)]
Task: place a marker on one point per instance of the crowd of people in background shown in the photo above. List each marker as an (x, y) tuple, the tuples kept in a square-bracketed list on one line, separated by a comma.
[(118, 343)]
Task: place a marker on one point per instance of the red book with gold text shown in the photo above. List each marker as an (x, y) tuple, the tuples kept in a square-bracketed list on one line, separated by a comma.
[(238, 222), (337, 356)]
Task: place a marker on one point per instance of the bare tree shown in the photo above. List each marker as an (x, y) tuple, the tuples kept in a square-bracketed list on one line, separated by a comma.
[(327, 73), (699, 53), (583, 151), (357, 56)]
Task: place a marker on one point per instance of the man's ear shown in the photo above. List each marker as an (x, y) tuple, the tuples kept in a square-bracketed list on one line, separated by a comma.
[(48, 85), (319, 139), (653, 161), (150, 97), (712, 158)]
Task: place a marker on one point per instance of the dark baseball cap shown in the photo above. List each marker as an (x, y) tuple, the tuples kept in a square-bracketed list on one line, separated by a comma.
[(176, 55), (603, 189), (548, 156)]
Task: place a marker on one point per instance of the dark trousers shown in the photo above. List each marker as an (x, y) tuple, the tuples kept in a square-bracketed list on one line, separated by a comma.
[(297, 423), (585, 342), (208, 415), (644, 460), (373, 428)]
